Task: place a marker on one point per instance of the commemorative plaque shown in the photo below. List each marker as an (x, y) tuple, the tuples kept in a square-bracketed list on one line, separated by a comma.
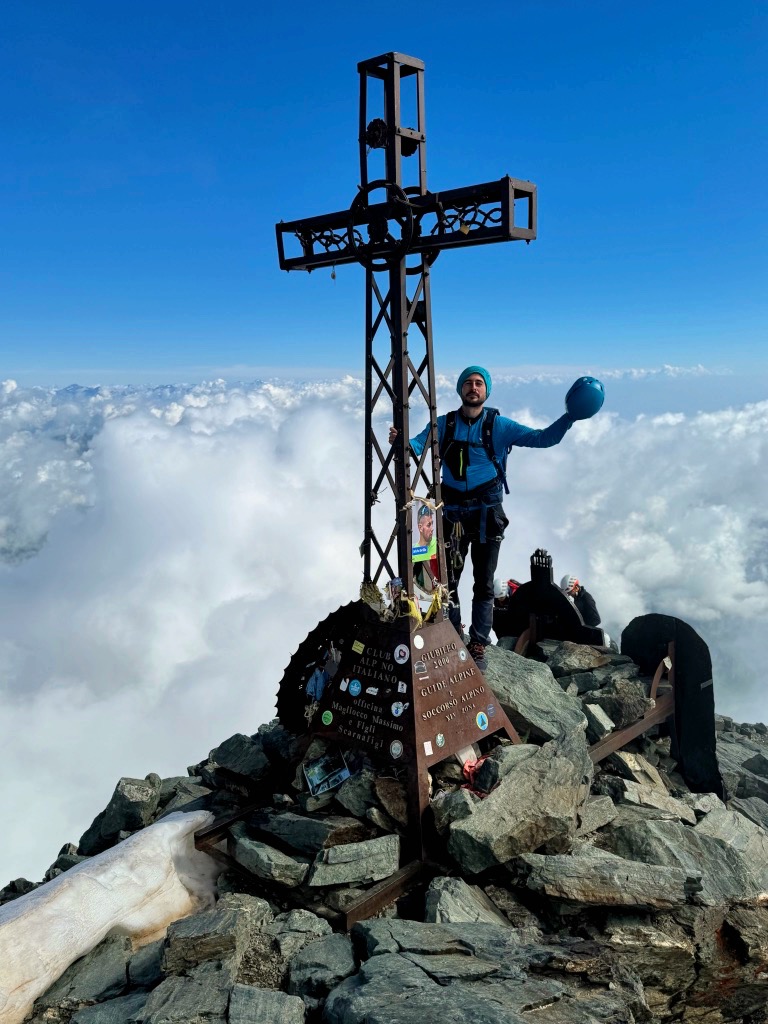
[(412, 699)]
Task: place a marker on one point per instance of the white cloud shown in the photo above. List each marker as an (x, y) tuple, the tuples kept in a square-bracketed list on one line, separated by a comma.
[(167, 549)]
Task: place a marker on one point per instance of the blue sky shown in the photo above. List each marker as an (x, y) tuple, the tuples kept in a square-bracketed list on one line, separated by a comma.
[(150, 148)]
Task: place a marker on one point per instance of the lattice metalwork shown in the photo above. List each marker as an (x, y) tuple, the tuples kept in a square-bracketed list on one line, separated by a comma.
[(396, 231)]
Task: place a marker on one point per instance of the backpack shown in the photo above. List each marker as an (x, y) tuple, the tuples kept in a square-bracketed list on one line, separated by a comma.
[(500, 464)]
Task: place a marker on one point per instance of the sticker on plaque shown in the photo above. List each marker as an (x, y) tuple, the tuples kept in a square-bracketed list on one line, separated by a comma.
[(427, 747), (402, 654), (491, 710), (462, 654), (402, 687), (418, 641), (396, 748), (440, 740), (373, 690), (482, 720), (355, 687), (419, 667), (358, 647), (327, 717), (398, 708)]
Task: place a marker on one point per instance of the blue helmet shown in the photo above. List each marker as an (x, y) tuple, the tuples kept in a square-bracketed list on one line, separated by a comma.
[(585, 397)]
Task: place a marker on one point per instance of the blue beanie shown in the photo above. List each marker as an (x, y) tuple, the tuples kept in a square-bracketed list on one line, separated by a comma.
[(468, 372)]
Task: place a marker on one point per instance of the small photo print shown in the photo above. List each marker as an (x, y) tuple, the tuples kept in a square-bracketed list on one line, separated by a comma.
[(326, 772)]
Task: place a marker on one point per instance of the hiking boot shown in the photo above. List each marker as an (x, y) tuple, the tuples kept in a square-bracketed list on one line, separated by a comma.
[(477, 652)]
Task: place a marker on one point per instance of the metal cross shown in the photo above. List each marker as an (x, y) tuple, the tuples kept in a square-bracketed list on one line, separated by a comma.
[(397, 239)]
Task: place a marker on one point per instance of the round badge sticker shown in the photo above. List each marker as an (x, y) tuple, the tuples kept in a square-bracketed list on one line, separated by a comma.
[(440, 740), (396, 748), (355, 687), (491, 710), (402, 654), (398, 708), (418, 641), (327, 717), (462, 655), (482, 720)]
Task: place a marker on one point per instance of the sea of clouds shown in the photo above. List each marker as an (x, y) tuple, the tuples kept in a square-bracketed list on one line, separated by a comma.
[(164, 550)]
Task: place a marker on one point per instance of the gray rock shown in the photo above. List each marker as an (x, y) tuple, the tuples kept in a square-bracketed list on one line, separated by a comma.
[(733, 755), (319, 966), (145, 966), (211, 935), (393, 797), (734, 831), (448, 807), (568, 658), (369, 861), (187, 796), (752, 807), (249, 1005), (636, 768), (310, 835), (500, 762), (595, 813), (535, 803), (357, 793), (263, 860), (200, 997), (101, 974), (114, 1011), (452, 900), (531, 696), (665, 962), (293, 930), (596, 878), (599, 725), (758, 764), (623, 700), (646, 796), (132, 806), (243, 755), (281, 747), (724, 875), (584, 682)]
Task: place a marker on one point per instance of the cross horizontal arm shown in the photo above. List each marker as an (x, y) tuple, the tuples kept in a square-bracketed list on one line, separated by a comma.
[(459, 217)]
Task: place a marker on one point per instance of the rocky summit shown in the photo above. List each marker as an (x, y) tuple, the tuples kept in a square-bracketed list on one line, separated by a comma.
[(555, 890)]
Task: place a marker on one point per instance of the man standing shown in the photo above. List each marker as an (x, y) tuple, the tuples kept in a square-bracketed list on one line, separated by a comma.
[(474, 443), (582, 598)]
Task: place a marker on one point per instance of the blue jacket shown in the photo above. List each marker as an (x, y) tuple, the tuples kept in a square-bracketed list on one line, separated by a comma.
[(506, 433)]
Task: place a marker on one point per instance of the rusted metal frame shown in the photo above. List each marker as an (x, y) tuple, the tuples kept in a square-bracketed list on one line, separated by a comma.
[(384, 462), (422, 127), (416, 382), (499, 192), (384, 555), (384, 893), (383, 377), (383, 303), (370, 437), (414, 300), (433, 442), (372, 66), (362, 124), (419, 373), (401, 420), (665, 708), (384, 381)]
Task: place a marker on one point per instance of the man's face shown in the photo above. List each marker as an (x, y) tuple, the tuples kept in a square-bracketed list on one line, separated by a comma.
[(426, 528), (473, 390)]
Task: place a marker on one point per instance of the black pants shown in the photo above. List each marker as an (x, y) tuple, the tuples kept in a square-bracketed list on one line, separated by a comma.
[(482, 523)]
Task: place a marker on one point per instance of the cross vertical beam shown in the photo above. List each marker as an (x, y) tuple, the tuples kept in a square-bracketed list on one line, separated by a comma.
[(396, 230)]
